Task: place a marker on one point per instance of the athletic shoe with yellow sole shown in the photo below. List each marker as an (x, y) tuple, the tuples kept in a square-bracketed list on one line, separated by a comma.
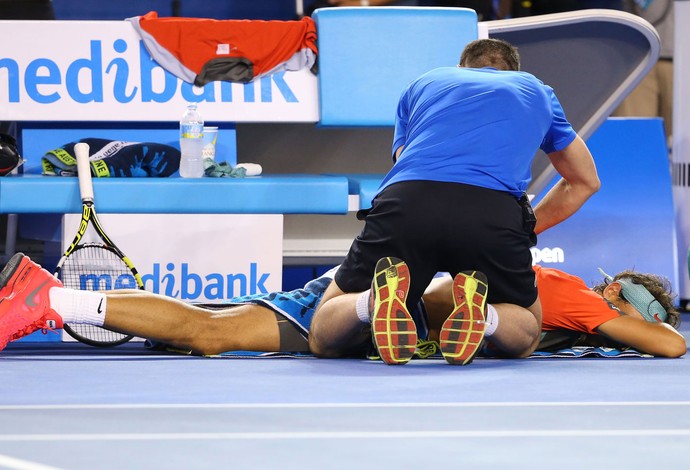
[(463, 331), (393, 330), (25, 302)]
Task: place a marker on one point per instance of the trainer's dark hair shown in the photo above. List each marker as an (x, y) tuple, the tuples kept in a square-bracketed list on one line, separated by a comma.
[(495, 53), (658, 286)]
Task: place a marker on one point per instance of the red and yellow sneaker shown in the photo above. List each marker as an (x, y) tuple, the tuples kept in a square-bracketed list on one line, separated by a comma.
[(393, 330), (463, 331), (25, 302)]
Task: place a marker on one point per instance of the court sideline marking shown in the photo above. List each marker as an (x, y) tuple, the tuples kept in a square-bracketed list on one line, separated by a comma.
[(19, 464), (97, 406), (552, 433)]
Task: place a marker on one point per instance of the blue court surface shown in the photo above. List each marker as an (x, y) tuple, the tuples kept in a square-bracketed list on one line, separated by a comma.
[(70, 406)]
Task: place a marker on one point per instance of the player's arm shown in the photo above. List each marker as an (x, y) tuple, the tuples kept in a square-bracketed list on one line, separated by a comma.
[(579, 180), (657, 339)]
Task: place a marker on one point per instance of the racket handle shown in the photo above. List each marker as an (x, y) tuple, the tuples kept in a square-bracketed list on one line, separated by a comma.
[(81, 151)]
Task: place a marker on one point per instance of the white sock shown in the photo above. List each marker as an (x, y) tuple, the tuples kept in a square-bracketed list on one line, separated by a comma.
[(78, 306), (491, 320), (362, 306)]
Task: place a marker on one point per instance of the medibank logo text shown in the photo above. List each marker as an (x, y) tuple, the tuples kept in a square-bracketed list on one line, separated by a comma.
[(105, 75), (181, 282)]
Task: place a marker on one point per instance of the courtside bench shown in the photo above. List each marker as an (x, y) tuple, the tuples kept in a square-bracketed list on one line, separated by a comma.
[(279, 194), (349, 95), (93, 79)]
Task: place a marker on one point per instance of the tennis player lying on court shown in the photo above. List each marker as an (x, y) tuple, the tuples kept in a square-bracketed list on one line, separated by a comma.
[(631, 309)]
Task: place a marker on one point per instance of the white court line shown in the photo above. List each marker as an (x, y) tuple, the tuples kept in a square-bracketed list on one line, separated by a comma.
[(18, 464), (517, 404), (344, 435)]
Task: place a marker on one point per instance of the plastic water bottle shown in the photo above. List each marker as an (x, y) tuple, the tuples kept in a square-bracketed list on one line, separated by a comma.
[(191, 143)]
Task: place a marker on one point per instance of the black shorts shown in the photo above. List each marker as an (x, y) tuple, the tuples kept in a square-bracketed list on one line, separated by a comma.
[(446, 227)]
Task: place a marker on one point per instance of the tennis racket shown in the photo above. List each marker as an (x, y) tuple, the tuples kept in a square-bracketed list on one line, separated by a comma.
[(94, 266)]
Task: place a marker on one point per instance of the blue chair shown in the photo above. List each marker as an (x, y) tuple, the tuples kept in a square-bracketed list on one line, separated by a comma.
[(368, 55)]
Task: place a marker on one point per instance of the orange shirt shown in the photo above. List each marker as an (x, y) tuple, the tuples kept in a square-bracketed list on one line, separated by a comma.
[(235, 50), (567, 302)]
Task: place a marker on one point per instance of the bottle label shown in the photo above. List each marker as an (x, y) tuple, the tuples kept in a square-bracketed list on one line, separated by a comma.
[(191, 131)]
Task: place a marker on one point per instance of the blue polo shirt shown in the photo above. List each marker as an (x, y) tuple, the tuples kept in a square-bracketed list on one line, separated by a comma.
[(476, 126)]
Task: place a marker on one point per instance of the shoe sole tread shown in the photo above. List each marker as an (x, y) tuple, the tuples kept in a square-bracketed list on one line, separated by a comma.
[(463, 331), (394, 332)]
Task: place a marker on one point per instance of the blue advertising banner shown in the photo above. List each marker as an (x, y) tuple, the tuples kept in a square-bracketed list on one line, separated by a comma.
[(630, 222)]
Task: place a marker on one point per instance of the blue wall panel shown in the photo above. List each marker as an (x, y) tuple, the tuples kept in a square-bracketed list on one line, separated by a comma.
[(629, 223), (366, 61)]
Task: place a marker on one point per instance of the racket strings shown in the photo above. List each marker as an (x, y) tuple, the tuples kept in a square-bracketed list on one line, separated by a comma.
[(96, 268)]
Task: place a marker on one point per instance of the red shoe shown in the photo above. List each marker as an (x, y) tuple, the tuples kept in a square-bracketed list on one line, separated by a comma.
[(463, 331), (393, 330), (25, 303)]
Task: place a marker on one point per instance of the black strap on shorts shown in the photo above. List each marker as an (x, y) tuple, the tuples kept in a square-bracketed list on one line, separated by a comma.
[(528, 218)]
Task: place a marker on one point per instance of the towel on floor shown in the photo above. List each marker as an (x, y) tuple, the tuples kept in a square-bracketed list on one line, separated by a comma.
[(430, 350), (588, 351), (114, 158)]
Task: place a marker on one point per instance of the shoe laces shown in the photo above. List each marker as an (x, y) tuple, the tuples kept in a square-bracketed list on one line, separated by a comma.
[(426, 348), (35, 326)]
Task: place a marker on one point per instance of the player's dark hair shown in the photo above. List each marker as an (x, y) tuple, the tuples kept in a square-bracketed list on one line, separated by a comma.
[(495, 53), (658, 286)]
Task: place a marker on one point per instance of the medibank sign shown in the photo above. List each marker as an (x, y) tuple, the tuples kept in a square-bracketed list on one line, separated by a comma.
[(88, 70), (192, 257)]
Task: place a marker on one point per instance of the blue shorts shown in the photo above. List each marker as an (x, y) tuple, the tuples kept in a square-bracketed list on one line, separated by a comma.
[(297, 306)]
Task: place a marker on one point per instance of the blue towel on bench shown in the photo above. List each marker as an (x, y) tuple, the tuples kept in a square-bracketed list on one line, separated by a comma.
[(114, 158)]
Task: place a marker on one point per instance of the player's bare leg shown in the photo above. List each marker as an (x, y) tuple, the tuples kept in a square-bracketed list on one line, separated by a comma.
[(243, 327), (32, 299)]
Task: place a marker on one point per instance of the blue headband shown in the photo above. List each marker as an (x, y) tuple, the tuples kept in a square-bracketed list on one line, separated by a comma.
[(640, 298)]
